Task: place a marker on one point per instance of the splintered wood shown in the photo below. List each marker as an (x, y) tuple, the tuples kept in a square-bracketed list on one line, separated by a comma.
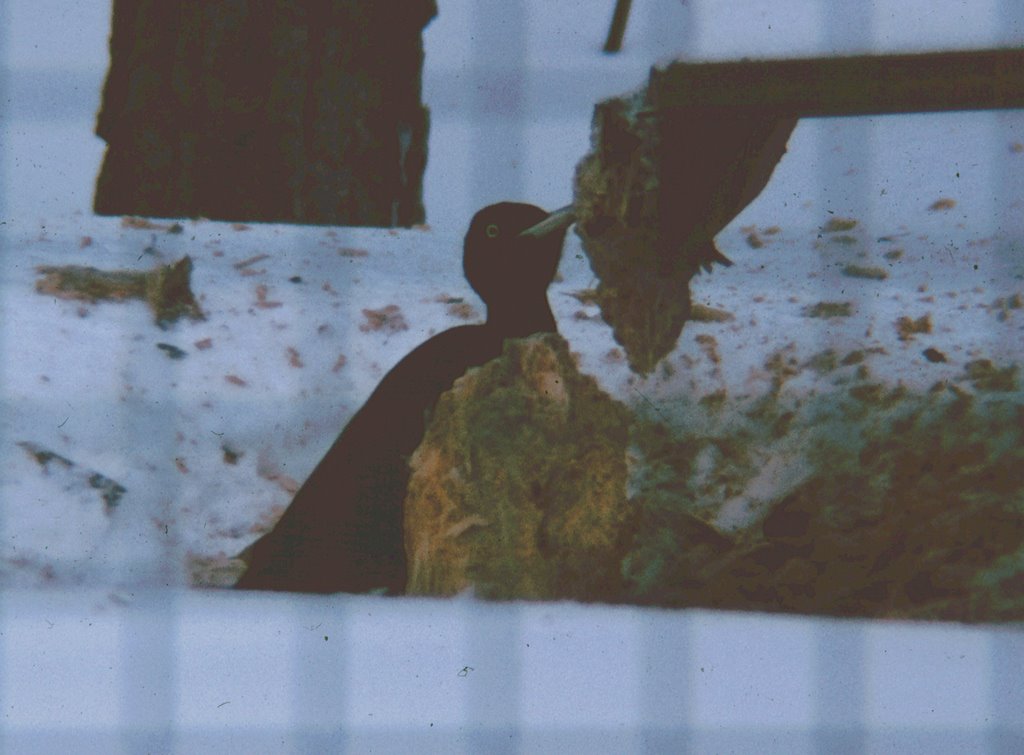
[(167, 289), (657, 186), (671, 164)]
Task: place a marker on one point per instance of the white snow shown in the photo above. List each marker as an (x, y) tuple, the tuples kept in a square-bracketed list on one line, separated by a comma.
[(223, 672)]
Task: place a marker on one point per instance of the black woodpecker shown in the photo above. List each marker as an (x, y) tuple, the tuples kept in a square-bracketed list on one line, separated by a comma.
[(343, 531)]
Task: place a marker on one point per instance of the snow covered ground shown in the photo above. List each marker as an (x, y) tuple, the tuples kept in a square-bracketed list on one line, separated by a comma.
[(85, 671), (210, 425), (208, 445)]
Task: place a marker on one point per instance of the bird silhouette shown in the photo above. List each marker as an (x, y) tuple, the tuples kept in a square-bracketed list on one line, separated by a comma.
[(343, 531)]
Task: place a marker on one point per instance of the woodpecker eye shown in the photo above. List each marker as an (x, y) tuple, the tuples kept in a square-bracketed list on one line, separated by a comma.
[(491, 231)]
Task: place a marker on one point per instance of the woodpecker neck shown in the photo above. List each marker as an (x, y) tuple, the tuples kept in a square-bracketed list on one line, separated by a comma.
[(521, 316)]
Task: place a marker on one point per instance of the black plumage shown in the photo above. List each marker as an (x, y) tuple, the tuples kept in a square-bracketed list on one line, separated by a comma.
[(343, 531)]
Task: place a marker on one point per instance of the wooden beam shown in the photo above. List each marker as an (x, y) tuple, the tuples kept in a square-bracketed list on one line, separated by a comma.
[(845, 86)]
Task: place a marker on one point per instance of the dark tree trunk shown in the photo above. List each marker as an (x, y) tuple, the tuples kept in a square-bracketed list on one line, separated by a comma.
[(281, 110)]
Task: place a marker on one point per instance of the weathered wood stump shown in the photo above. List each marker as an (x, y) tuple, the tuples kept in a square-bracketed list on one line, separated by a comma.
[(519, 487), (288, 111)]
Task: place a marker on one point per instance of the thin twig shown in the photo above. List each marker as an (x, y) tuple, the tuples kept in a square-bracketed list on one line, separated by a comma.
[(618, 28)]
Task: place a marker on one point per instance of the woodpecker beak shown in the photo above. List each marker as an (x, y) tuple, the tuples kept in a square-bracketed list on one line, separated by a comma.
[(558, 220)]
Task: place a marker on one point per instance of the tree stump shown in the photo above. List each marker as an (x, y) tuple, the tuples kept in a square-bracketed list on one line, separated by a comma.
[(288, 111)]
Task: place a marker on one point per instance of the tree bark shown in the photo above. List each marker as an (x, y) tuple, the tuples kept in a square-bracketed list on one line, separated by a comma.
[(275, 110)]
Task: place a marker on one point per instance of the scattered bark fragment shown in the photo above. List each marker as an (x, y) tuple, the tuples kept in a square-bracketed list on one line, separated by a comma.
[(823, 362), (587, 296), (250, 261), (838, 225), (1004, 305), (110, 491), (261, 298), (165, 289), (871, 273), (709, 345), (388, 319), (44, 456), (985, 376), (826, 309), (231, 456), (714, 400), (144, 224), (463, 310), (703, 313), (907, 328), (172, 351)]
